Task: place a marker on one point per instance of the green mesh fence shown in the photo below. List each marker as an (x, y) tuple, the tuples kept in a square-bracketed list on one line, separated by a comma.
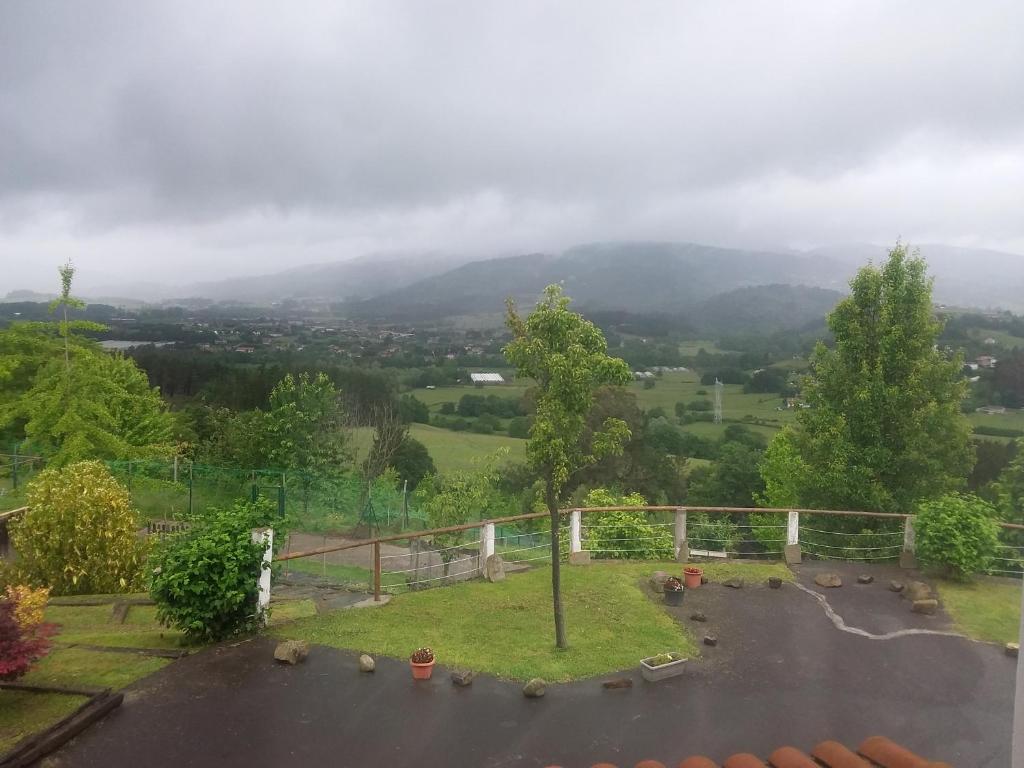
[(320, 503)]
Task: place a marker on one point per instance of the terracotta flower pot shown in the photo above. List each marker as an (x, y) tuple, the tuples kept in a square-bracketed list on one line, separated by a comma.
[(691, 576), (422, 671)]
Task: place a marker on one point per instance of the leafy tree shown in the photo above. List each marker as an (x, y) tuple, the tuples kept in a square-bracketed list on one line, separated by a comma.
[(412, 461), (567, 357), (453, 499), (80, 533), (1009, 490), (305, 425), (519, 426), (412, 409), (732, 481), (884, 429)]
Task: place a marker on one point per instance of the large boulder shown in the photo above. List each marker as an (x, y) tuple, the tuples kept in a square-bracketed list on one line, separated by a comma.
[(494, 568), (291, 651), (657, 581), (828, 580), (535, 688), (917, 590)]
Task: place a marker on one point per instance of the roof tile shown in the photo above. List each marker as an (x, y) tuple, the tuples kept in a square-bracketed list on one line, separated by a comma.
[(743, 760), (889, 754), (698, 761), (835, 755), (788, 757)]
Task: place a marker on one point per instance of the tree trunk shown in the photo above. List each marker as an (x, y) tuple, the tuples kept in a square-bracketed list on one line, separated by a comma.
[(556, 568)]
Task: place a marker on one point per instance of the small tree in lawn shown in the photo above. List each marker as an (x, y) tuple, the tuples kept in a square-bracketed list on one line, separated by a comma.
[(567, 357)]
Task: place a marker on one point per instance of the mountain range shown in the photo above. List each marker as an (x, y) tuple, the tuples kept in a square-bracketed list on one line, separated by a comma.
[(638, 277)]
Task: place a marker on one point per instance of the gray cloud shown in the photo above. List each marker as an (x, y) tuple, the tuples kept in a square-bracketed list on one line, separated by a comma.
[(189, 140)]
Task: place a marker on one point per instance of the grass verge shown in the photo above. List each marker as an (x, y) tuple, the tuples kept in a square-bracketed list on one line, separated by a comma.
[(505, 629), (986, 609)]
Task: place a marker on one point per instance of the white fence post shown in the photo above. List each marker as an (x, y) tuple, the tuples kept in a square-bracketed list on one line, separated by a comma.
[(486, 546), (792, 549), (575, 531), (682, 547), (908, 558), (264, 536)]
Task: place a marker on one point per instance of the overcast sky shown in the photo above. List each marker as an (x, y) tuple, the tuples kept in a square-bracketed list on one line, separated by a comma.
[(185, 141)]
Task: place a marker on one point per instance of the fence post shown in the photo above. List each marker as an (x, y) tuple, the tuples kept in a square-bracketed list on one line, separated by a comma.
[(682, 546), (376, 571), (264, 536), (792, 549), (576, 554), (486, 546), (175, 469), (908, 558), (14, 470)]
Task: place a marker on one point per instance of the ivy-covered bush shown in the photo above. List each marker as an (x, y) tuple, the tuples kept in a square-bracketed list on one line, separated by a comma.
[(80, 533), (957, 534), (204, 580), (624, 535), (715, 533), (24, 637)]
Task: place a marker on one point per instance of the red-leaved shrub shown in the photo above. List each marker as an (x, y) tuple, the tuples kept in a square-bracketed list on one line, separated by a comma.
[(20, 646)]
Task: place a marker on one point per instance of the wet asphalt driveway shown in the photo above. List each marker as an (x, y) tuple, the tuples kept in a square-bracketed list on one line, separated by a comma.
[(782, 673)]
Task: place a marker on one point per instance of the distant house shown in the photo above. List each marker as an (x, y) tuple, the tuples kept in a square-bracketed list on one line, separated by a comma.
[(246, 350), (971, 366), (990, 341), (986, 361), (486, 378), (642, 375)]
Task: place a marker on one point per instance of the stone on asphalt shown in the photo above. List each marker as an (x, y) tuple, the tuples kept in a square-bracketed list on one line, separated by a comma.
[(291, 651), (711, 640), (927, 607), (463, 677), (774, 582), (1012, 649), (535, 688), (865, 579), (734, 583), (895, 586), (917, 590), (698, 616), (829, 580), (366, 663)]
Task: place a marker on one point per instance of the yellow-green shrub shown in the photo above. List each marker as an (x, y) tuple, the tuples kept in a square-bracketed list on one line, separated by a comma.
[(80, 533)]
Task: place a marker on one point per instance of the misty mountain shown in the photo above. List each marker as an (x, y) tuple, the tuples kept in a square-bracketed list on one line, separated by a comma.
[(966, 277), (360, 278), (634, 277), (764, 308)]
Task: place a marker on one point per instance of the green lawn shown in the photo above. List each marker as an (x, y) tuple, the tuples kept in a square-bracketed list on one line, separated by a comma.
[(986, 609), (452, 450), (505, 629)]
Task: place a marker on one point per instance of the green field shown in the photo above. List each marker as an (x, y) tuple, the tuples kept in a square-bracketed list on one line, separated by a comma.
[(1002, 338), (452, 450), (1009, 420)]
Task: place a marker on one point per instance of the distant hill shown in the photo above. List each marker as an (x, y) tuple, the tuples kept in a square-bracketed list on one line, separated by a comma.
[(970, 277), (765, 308), (633, 277), (356, 279)]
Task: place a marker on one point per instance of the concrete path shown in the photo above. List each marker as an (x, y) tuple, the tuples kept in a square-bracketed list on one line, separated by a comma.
[(781, 673)]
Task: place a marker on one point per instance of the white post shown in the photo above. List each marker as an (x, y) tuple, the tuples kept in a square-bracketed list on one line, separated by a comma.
[(486, 546), (908, 558), (175, 469), (264, 536), (681, 545), (793, 528), (575, 531), (792, 550)]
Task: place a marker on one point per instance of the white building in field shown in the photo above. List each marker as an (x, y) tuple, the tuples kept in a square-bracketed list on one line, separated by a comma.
[(486, 378)]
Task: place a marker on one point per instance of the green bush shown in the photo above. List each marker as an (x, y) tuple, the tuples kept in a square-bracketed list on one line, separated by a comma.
[(80, 533), (956, 533), (712, 532), (204, 579), (624, 535)]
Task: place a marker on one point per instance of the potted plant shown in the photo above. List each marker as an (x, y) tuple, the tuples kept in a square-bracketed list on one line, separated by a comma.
[(662, 666), (692, 574), (673, 590), (422, 663)]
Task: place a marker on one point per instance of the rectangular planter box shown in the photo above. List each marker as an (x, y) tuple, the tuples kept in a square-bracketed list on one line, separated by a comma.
[(664, 671)]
